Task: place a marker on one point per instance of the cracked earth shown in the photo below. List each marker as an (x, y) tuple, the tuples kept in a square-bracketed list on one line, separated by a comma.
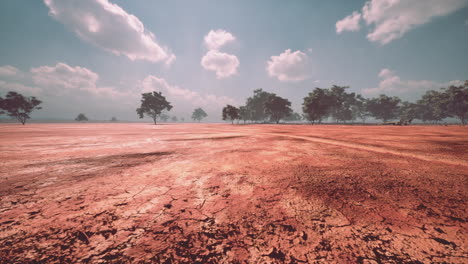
[(213, 193)]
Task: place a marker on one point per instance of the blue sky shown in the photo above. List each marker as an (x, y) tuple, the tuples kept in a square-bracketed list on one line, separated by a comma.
[(97, 56)]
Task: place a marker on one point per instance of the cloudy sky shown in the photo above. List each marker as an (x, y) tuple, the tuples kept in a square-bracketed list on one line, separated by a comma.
[(98, 56)]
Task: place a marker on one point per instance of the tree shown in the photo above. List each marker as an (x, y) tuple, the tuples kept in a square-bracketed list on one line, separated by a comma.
[(18, 106), (317, 105), (277, 107), (359, 108), (164, 117), (113, 119), (174, 119), (341, 103), (433, 106), (152, 105), (256, 105), (81, 117), (244, 113), (409, 111), (457, 102), (230, 112), (198, 114), (384, 107), (293, 117)]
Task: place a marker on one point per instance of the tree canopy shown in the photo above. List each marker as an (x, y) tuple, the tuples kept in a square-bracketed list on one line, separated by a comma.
[(317, 105), (230, 113), (456, 101), (81, 117), (256, 105), (277, 107), (18, 106), (384, 107), (152, 105), (198, 114), (293, 117), (432, 106)]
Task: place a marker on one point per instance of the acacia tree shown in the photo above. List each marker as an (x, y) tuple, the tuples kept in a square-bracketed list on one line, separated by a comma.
[(198, 114), (384, 107), (81, 117), (317, 105), (457, 102), (18, 106), (230, 113), (277, 107), (152, 105)]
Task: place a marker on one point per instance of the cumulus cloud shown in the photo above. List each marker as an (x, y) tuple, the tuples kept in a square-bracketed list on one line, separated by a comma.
[(223, 64), (184, 98), (215, 39), (63, 78), (19, 87), (289, 66), (391, 19), (109, 27), (8, 70), (349, 23), (392, 84)]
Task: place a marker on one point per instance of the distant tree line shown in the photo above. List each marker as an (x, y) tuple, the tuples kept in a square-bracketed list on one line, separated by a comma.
[(343, 106), (320, 104)]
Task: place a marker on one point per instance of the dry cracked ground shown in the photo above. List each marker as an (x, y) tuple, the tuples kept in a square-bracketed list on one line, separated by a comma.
[(190, 193)]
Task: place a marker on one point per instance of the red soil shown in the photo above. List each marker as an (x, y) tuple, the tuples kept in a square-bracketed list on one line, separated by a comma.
[(198, 193)]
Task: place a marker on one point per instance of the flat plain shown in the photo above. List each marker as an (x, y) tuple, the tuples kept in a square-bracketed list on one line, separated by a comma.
[(219, 193)]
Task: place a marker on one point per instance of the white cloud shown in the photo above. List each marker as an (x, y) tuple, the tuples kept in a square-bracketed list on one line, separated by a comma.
[(349, 23), (18, 87), (391, 19), (392, 84), (184, 98), (223, 64), (8, 70), (289, 66), (215, 39), (63, 78), (109, 27)]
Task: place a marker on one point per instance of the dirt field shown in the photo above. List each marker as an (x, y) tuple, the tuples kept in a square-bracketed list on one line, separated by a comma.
[(212, 193)]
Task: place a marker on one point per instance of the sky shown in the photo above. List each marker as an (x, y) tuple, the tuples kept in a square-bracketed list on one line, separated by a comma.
[(97, 56)]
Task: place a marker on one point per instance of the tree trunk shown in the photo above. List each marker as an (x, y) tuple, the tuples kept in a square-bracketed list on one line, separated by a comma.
[(154, 119), (22, 120)]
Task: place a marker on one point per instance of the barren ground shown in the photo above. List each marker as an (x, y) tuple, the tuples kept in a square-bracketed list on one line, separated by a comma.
[(172, 193)]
